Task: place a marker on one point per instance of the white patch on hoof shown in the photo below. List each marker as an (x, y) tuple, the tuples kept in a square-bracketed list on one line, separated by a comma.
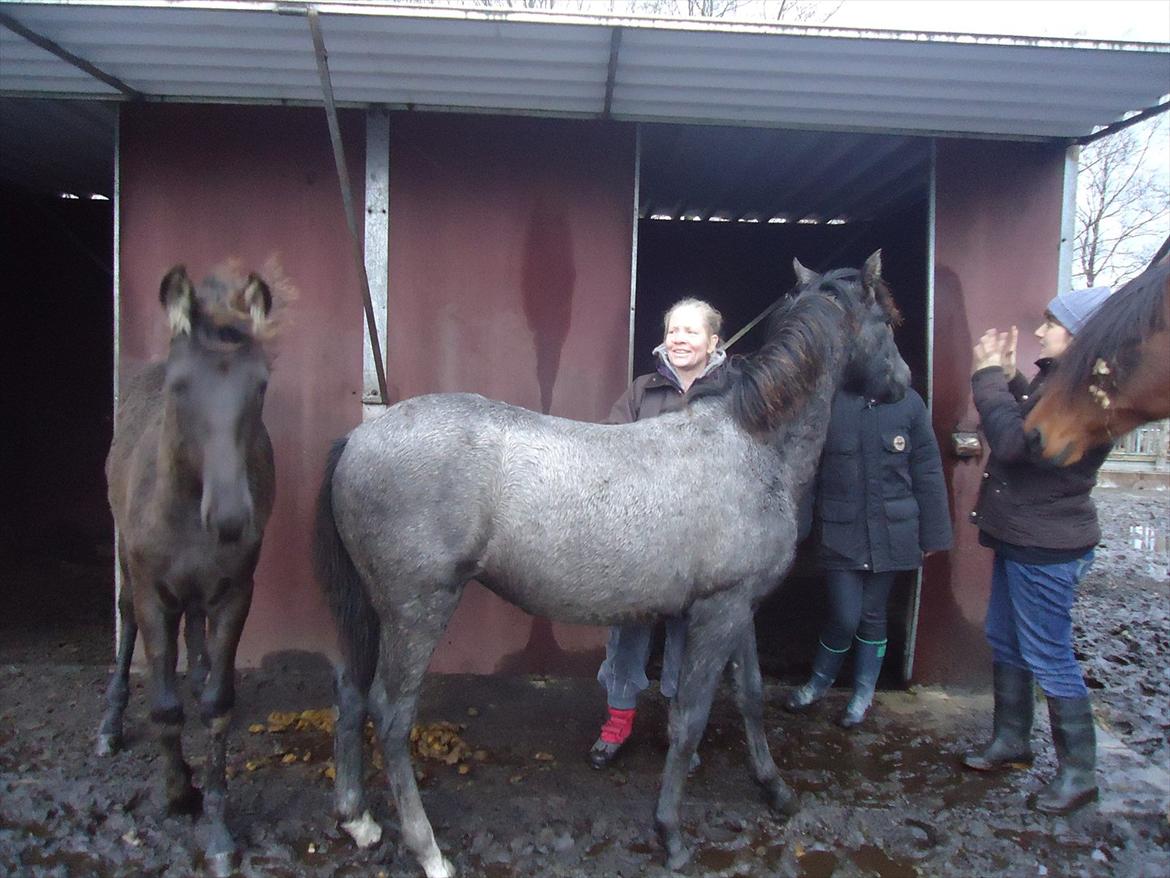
[(365, 830), (438, 867)]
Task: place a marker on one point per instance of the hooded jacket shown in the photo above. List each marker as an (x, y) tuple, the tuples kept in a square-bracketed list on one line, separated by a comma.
[(1026, 502), (881, 499), (659, 392)]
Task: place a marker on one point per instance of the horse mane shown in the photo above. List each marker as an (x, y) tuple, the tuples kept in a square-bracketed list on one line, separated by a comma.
[(763, 387), (1113, 334)]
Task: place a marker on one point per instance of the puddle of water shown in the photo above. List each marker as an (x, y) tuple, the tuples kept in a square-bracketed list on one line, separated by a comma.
[(874, 861), (716, 859), (1149, 538), (817, 864), (73, 862)]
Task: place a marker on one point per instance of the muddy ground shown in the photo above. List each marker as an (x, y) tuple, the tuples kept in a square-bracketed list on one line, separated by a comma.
[(885, 800)]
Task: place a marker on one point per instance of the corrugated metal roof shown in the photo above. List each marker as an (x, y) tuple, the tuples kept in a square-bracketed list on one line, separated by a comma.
[(649, 70)]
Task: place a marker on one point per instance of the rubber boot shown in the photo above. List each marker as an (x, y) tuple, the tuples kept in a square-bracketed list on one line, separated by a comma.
[(826, 663), (1075, 739), (1010, 745), (615, 731), (867, 666)]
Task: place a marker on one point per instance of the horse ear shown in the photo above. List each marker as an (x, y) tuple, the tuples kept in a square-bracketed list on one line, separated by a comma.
[(804, 275), (257, 300), (177, 295), (872, 272)]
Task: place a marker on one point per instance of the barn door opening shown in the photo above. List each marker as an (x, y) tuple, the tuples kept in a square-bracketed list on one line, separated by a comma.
[(56, 251), (722, 213)]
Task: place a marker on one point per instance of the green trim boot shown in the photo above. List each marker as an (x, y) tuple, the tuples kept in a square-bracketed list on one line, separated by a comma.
[(1010, 746), (867, 667), (826, 664), (1075, 738)]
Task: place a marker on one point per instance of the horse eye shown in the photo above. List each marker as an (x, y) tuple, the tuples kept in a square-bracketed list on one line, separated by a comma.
[(180, 387)]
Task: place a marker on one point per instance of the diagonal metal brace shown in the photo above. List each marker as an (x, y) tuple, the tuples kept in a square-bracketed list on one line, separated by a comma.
[(347, 199)]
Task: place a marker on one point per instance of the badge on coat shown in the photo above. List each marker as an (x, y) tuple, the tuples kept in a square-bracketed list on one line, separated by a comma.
[(899, 443)]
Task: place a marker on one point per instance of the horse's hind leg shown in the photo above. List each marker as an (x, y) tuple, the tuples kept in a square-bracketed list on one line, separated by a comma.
[(407, 645), (749, 696), (226, 617), (349, 762), (118, 692), (713, 627)]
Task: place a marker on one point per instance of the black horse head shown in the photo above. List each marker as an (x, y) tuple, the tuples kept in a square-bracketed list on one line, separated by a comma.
[(873, 367)]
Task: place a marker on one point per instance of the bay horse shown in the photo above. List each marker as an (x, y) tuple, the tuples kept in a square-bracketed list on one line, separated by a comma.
[(1115, 374), (548, 513), (191, 486)]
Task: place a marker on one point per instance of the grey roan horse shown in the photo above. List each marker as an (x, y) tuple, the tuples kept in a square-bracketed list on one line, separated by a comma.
[(191, 485), (548, 514)]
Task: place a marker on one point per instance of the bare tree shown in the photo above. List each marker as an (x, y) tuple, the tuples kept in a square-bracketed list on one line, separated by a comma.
[(1123, 203)]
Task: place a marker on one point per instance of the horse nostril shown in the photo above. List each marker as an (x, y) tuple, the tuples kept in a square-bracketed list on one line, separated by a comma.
[(230, 529)]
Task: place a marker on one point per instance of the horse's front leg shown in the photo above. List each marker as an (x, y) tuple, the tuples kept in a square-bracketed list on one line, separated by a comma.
[(158, 618), (195, 636), (712, 630), (118, 693), (749, 696), (226, 622), (349, 759)]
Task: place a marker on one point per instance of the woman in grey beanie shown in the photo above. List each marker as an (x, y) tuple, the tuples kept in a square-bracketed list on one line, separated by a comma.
[(1042, 525)]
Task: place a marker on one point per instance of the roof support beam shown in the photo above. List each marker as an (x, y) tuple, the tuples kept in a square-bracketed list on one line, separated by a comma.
[(69, 58), (1124, 123), (347, 199), (615, 45)]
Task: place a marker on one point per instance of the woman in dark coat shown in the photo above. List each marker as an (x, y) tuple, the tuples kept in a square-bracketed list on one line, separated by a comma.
[(688, 357), (1041, 522), (880, 505)]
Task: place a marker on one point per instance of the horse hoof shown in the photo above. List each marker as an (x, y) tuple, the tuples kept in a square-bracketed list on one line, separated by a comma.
[(783, 801), (108, 745), (678, 859), (364, 830), (188, 804), (443, 869), (222, 865)]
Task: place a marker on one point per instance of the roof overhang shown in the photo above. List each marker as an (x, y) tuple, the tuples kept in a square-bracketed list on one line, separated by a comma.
[(588, 66)]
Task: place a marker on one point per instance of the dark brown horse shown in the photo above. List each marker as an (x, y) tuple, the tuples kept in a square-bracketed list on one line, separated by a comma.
[(1115, 375), (191, 486)]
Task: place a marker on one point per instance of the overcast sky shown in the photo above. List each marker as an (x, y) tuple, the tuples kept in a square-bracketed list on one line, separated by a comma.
[(1138, 20)]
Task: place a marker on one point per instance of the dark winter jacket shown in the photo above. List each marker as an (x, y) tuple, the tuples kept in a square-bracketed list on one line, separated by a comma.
[(1024, 500), (656, 393), (881, 500)]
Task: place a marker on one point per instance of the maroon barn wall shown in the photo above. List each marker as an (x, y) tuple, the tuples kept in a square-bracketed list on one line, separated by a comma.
[(201, 184), (509, 275), (997, 254)]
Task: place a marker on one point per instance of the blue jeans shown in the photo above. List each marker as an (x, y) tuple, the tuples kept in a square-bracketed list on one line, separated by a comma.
[(623, 673), (1029, 621)]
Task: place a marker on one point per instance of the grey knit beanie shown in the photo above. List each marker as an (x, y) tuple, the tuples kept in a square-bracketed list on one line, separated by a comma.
[(1073, 308)]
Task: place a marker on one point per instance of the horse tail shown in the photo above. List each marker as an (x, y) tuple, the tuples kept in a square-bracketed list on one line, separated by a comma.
[(357, 623)]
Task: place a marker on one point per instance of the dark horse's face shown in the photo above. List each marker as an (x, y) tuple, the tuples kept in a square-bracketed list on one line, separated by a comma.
[(216, 376), (874, 367)]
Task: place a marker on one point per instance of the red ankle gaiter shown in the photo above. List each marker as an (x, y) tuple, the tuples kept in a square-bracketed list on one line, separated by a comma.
[(617, 728)]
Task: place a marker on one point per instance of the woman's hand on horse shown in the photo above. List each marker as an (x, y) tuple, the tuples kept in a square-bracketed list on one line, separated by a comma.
[(996, 348)]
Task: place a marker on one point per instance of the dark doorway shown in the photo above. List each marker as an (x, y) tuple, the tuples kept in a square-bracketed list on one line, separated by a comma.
[(722, 219), (56, 539)]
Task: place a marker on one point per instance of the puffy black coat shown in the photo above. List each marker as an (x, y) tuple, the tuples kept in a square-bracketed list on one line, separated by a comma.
[(881, 499), (1025, 500)]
